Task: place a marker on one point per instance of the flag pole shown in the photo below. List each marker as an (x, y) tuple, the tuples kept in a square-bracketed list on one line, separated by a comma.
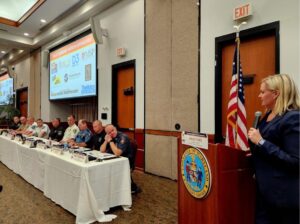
[(237, 40)]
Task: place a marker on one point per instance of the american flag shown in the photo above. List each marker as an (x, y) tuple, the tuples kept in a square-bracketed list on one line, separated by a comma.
[(236, 129)]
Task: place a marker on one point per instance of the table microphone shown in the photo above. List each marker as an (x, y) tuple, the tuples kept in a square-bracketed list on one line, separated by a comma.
[(257, 118)]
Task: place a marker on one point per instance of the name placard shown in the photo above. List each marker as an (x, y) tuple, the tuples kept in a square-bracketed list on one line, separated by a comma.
[(41, 145), (29, 143), (10, 136), (198, 140), (18, 138), (4, 133), (57, 150), (79, 157)]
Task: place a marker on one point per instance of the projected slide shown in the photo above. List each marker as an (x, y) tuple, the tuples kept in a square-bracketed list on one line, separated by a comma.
[(73, 70), (6, 89)]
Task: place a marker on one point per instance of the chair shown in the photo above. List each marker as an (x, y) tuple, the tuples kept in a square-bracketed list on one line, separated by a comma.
[(133, 146)]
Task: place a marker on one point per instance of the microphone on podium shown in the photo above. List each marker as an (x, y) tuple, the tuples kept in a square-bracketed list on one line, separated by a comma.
[(256, 119)]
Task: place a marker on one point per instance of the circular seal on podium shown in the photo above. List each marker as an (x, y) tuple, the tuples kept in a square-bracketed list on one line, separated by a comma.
[(195, 172)]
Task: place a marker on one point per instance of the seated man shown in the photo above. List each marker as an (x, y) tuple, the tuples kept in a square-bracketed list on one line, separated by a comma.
[(83, 137), (57, 132), (42, 130), (23, 127), (118, 143), (15, 123), (71, 131), (98, 138), (31, 126)]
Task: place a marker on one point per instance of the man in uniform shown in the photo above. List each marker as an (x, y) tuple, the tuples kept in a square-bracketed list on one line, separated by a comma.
[(57, 132), (83, 137), (71, 131), (98, 138), (118, 143)]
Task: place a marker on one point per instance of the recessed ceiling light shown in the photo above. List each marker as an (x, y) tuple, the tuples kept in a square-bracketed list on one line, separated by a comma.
[(26, 34), (43, 21), (3, 52)]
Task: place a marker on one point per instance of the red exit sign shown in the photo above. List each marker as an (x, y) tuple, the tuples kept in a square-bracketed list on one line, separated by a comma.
[(242, 11)]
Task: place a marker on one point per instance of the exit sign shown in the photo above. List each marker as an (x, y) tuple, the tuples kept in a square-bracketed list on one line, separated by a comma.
[(121, 51), (242, 11)]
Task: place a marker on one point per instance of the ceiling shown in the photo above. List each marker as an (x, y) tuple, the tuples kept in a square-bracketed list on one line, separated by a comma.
[(14, 9), (60, 15)]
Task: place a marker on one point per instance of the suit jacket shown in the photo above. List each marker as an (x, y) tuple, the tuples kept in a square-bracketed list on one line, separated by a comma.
[(276, 162)]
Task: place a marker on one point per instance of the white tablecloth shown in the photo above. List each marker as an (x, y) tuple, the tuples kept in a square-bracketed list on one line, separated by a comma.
[(84, 189)]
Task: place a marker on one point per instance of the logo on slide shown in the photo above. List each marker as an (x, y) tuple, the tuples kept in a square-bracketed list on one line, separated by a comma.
[(196, 173), (66, 77), (56, 80)]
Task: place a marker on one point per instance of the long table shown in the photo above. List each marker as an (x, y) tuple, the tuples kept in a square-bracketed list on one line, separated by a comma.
[(85, 189)]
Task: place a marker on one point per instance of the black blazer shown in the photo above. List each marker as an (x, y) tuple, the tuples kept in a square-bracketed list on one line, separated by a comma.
[(276, 163)]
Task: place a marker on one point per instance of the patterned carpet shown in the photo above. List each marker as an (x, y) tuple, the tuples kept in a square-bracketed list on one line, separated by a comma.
[(21, 203)]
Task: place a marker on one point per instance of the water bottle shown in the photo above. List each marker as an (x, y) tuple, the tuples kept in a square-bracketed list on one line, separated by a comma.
[(65, 146)]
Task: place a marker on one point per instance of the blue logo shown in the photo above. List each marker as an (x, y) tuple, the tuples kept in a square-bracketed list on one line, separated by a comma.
[(196, 173)]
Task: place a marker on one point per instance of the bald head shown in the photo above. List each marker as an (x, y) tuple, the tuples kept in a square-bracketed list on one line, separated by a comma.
[(111, 130), (97, 126)]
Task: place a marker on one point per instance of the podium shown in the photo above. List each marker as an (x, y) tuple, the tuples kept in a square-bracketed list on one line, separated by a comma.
[(231, 198)]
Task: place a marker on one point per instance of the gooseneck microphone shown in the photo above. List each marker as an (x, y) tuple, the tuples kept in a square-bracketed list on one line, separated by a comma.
[(256, 119)]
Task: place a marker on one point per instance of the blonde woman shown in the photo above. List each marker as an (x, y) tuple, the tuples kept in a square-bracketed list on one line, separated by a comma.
[(275, 152)]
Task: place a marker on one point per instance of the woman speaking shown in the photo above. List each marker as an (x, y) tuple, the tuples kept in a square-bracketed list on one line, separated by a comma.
[(275, 152)]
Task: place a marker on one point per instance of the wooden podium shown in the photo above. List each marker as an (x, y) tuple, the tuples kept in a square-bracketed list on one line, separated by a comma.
[(232, 194)]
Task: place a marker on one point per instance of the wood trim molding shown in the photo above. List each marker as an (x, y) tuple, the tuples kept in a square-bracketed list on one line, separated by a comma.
[(8, 22), (211, 137), (163, 133), (139, 131), (30, 11)]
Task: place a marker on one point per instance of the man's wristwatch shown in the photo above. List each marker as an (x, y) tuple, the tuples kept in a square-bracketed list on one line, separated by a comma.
[(261, 142)]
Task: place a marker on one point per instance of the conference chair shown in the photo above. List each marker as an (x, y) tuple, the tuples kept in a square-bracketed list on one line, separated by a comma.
[(133, 145)]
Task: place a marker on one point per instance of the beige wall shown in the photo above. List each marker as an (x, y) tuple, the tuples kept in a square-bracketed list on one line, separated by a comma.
[(162, 160), (171, 75), (21, 72), (171, 64), (34, 87), (27, 73)]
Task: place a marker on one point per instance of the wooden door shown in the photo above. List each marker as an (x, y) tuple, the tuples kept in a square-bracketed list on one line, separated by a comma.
[(124, 99), (22, 101), (257, 57)]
